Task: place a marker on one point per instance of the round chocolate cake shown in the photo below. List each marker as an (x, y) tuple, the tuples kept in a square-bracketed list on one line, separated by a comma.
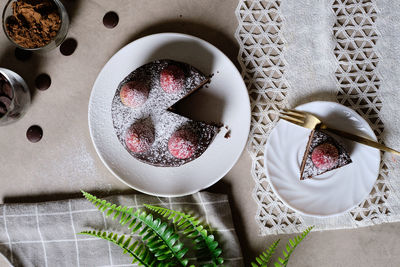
[(143, 119)]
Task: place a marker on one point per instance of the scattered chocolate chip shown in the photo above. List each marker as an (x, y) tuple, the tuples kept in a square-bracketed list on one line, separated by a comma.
[(68, 47), (43, 82), (22, 55), (211, 75), (217, 71), (180, 16), (110, 19), (34, 133), (5, 101)]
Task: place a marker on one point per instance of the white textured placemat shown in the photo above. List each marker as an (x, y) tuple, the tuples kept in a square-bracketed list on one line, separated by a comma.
[(44, 234), (297, 51)]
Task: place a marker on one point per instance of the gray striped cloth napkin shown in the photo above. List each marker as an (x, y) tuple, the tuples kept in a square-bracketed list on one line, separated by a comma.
[(44, 234)]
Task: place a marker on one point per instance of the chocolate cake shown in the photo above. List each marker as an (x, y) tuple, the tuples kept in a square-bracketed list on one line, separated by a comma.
[(147, 126), (323, 153)]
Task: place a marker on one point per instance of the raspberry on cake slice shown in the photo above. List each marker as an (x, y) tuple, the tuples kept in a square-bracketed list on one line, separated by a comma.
[(323, 153)]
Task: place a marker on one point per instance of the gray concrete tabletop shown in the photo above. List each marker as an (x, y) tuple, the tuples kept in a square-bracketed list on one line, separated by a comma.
[(65, 161)]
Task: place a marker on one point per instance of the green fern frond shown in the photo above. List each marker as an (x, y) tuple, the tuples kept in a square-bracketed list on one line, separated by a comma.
[(191, 227), (159, 237), (263, 259), (138, 251), (291, 246)]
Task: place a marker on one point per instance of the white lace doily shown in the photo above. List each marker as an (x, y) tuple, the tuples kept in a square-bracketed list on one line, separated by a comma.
[(349, 68)]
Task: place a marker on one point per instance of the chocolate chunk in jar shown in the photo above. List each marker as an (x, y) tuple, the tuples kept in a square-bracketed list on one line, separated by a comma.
[(3, 110), (5, 101), (5, 87)]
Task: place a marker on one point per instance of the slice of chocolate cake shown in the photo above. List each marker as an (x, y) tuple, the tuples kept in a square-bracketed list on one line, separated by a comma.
[(146, 125), (323, 153)]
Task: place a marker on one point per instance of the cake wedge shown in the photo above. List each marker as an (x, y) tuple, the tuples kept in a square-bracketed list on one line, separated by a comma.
[(322, 154)]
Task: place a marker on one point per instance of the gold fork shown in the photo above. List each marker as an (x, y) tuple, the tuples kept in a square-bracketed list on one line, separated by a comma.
[(310, 121)]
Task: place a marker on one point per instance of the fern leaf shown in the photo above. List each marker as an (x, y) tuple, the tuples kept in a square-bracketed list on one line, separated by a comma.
[(157, 234), (192, 228), (263, 259), (141, 255), (290, 247)]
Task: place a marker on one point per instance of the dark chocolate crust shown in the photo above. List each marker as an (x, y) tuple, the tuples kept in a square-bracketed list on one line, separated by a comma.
[(318, 137), (155, 111)]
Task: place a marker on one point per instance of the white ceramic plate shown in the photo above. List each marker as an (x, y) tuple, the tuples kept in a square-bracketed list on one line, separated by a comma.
[(224, 100), (331, 193)]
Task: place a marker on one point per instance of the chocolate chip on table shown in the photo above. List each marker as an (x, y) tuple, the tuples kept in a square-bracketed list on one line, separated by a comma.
[(110, 19), (68, 47), (34, 133), (22, 55), (43, 82)]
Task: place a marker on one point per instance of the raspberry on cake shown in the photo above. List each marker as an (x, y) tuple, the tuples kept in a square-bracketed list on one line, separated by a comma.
[(134, 94), (183, 144), (325, 156), (139, 137), (323, 153), (172, 79)]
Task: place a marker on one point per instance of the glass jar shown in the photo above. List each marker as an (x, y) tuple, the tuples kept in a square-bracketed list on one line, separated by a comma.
[(56, 41), (15, 97)]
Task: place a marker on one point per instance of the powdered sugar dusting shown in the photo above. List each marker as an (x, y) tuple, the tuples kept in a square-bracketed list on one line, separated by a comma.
[(154, 111)]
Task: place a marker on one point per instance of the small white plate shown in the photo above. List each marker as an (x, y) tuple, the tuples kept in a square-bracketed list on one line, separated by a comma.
[(224, 100), (333, 192)]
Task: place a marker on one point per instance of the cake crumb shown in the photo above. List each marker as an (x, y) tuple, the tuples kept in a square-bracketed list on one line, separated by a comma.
[(228, 134)]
